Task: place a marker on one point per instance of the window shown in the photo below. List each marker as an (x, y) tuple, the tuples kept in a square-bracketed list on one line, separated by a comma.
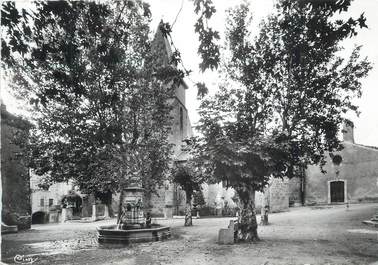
[(337, 159), (42, 202), (181, 120), (51, 202)]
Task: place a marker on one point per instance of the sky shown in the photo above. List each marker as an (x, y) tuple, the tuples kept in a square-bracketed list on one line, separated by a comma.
[(185, 39)]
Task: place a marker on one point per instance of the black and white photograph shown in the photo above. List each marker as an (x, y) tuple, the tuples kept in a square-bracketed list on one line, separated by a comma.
[(189, 132)]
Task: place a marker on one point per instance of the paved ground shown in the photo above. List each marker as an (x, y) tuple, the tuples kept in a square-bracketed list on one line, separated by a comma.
[(302, 236)]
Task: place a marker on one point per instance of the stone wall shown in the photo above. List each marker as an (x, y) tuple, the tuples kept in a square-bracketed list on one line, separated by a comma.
[(155, 203), (167, 202), (181, 127), (279, 195), (16, 206), (295, 191)]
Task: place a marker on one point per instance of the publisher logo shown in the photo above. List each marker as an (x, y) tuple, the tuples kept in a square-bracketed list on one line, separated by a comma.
[(25, 259)]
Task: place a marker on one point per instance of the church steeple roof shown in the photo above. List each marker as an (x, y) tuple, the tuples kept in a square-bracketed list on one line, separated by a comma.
[(162, 49)]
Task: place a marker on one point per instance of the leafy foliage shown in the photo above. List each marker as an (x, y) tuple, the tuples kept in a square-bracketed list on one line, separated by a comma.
[(189, 177), (16, 32), (208, 49), (202, 90), (198, 199)]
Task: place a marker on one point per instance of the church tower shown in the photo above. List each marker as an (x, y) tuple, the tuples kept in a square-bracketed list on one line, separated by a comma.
[(170, 199)]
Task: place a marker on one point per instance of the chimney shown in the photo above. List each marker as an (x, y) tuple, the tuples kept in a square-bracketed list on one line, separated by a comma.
[(348, 135)]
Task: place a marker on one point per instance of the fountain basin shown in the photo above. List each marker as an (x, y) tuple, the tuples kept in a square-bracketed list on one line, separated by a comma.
[(110, 234)]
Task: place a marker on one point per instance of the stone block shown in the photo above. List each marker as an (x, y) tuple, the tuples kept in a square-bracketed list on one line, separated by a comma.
[(371, 223), (226, 236)]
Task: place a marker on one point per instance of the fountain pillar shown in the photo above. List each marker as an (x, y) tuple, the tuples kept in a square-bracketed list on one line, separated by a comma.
[(132, 207), (106, 212), (64, 215)]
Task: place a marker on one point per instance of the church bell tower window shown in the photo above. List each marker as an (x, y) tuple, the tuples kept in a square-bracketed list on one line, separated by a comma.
[(181, 120)]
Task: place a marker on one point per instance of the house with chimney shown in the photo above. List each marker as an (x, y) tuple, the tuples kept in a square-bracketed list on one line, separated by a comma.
[(351, 176)]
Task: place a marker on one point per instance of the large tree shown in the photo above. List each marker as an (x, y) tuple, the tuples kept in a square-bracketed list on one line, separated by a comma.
[(283, 99), (88, 69)]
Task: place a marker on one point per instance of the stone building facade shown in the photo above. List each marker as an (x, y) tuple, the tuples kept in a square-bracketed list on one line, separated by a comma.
[(44, 203), (47, 205), (15, 179), (351, 176)]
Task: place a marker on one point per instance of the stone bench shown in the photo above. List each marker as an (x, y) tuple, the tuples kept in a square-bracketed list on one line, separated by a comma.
[(373, 221), (228, 235)]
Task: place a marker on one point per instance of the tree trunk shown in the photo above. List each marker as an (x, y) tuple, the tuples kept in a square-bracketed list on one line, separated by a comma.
[(188, 211), (264, 215), (265, 207), (110, 209), (109, 204), (247, 227)]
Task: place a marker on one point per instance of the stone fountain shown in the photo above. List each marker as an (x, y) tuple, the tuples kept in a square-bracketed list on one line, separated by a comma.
[(134, 226)]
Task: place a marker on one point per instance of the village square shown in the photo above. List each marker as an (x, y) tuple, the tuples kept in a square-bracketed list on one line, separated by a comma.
[(189, 132)]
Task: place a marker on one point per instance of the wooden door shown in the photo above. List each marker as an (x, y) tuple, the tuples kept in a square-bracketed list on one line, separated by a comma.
[(337, 191)]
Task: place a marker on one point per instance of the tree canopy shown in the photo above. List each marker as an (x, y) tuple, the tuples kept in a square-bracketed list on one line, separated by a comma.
[(88, 70)]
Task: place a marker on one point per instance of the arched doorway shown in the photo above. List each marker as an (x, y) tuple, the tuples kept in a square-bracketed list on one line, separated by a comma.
[(337, 191), (39, 218)]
